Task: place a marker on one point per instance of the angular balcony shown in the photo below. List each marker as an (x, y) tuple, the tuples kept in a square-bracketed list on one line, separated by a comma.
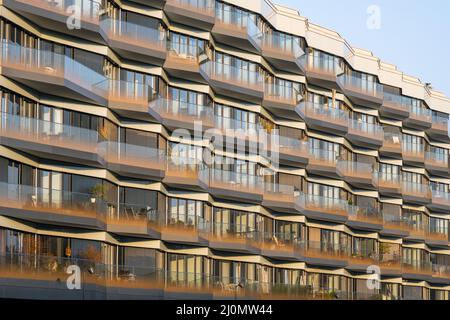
[(321, 70), (284, 54), (238, 30), (192, 232), (59, 15), (439, 129), (437, 238), (413, 154), (437, 163), (323, 208), (176, 114), (365, 218), (281, 100), (416, 193), (389, 184), (279, 246), (54, 207), (231, 185), (416, 269), (183, 61), (158, 4), (51, 73), (134, 161), (361, 92), (416, 231), (440, 273), (234, 82), (50, 140), (390, 264), (394, 226), (200, 14), (142, 43), (183, 173), (135, 220), (281, 198), (366, 135), (323, 118), (322, 163), (392, 145), (394, 107), (127, 99), (324, 253), (293, 152), (358, 174), (440, 201), (234, 237), (419, 118)]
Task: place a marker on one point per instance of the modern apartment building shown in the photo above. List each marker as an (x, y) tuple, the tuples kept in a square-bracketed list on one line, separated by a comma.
[(106, 167)]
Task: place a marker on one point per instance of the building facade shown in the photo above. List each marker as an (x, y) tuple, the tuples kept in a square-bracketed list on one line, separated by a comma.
[(213, 149)]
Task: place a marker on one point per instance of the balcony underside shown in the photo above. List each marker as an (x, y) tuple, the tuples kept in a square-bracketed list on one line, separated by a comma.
[(190, 16), (420, 199), (234, 90), (54, 20), (389, 189), (283, 252), (391, 151), (282, 61), (138, 171), (134, 229), (51, 84), (321, 213), (363, 181), (281, 203), (322, 79), (185, 236), (394, 231), (174, 121), (238, 37), (127, 108), (183, 69), (322, 168), (159, 4), (293, 158), (411, 159), (324, 123), (439, 205), (324, 260), (74, 217), (364, 140), (222, 191), (184, 181), (362, 99), (281, 108), (369, 225), (393, 111), (438, 133), (417, 123), (437, 168), (233, 244), (55, 149)]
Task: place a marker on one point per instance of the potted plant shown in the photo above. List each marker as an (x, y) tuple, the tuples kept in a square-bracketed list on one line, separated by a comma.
[(98, 192)]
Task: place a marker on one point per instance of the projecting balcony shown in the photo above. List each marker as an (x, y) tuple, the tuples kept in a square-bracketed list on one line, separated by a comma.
[(234, 237), (195, 231), (416, 193), (282, 246), (50, 140), (135, 220), (183, 173), (200, 14), (56, 207), (158, 4), (439, 129), (394, 107), (232, 185), (437, 238), (394, 226), (362, 92), (175, 114), (416, 269), (237, 30), (62, 15), (389, 263), (293, 152), (413, 154), (281, 100), (357, 174), (324, 253), (142, 43), (366, 135), (389, 184), (283, 53), (392, 145), (51, 73), (183, 61), (323, 118), (324, 208), (234, 82), (134, 161), (320, 70), (127, 99), (440, 201), (437, 163), (419, 118), (365, 218), (416, 230), (440, 273), (281, 198), (322, 162)]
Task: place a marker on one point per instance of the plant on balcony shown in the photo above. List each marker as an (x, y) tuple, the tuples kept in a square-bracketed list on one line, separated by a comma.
[(98, 191)]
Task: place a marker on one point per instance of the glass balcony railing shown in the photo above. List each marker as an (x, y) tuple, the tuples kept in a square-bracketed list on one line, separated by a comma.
[(233, 181), (183, 112), (327, 157), (293, 146), (395, 222), (392, 142), (416, 266), (189, 54), (48, 201), (416, 189), (235, 76), (45, 132), (126, 94), (364, 87), (318, 203), (436, 159), (395, 104), (42, 63), (282, 46), (237, 21), (440, 197), (324, 249), (281, 94), (324, 113), (275, 192), (354, 169), (389, 181), (413, 152), (420, 112), (440, 123), (365, 214), (319, 64), (206, 7), (369, 130), (134, 34)]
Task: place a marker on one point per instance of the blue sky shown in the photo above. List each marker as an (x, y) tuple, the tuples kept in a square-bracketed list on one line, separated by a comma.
[(413, 34)]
